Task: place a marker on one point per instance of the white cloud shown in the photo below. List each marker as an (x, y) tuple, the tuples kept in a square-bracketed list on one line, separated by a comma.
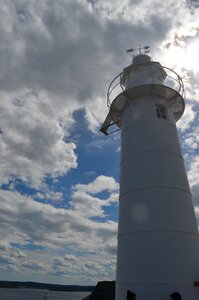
[(45, 77), (25, 221), (69, 257), (33, 266), (193, 172), (57, 57), (7, 260), (4, 246), (87, 205), (191, 142), (31, 143), (100, 184), (191, 138), (187, 119), (49, 195), (100, 267)]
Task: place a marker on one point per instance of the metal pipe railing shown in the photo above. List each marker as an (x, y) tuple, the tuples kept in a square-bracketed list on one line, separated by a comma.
[(117, 81)]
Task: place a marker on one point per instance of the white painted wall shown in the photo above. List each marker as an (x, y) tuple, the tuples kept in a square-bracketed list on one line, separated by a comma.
[(158, 241)]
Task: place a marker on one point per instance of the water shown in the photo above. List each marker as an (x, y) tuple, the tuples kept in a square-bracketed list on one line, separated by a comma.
[(33, 294)]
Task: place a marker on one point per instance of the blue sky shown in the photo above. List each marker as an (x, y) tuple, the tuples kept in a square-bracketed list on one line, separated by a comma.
[(59, 175)]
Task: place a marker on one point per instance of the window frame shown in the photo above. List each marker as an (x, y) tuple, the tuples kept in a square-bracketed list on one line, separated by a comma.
[(161, 111)]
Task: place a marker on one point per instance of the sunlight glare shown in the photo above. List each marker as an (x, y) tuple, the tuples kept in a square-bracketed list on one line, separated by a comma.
[(192, 57)]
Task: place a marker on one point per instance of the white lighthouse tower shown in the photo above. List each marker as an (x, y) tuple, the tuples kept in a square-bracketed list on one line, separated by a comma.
[(158, 240)]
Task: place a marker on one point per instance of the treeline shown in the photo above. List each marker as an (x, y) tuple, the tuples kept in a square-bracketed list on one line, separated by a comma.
[(45, 286)]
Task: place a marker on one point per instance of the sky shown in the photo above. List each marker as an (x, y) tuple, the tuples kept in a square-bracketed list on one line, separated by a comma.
[(59, 176)]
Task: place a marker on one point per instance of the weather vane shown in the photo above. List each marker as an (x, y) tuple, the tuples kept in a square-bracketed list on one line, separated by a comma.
[(145, 49)]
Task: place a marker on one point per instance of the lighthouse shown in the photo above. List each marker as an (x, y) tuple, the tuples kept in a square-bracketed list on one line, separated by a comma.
[(158, 240)]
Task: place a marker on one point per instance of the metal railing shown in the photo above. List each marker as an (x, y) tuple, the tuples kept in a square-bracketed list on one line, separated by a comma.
[(178, 80), (116, 82), (173, 81)]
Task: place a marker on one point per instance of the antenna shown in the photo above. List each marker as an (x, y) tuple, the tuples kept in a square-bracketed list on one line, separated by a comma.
[(144, 49)]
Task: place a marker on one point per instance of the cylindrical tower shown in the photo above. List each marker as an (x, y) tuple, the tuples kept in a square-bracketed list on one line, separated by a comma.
[(158, 241)]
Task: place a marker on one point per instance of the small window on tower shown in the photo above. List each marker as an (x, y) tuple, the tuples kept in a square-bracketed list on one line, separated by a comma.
[(161, 111)]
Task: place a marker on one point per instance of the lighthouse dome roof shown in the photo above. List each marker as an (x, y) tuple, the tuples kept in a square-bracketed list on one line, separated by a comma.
[(141, 58)]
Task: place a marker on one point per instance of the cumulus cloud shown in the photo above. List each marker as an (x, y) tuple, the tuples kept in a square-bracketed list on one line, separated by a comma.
[(69, 257), (32, 142), (101, 183), (49, 195), (4, 246), (32, 266), (52, 65), (193, 175), (99, 267), (58, 57), (88, 205), (187, 119), (25, 221), (84, 201)]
